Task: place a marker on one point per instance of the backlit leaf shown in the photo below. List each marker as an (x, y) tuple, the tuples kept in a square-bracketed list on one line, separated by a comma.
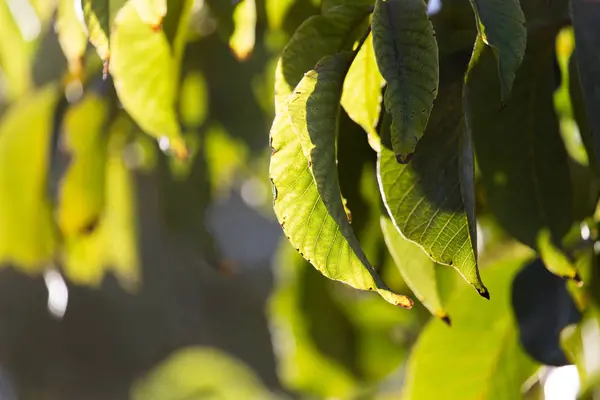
[(418, 270), (112, 245), (151, 12), (407, 56), (277, 11), (82, 191), (424, 198), (15, 52), (27, 234), (480, 356), (317, 37), (200, 373), (501, 25), (307, 198), (71, 35), (521, 156), (361, 97), (243, 37), (99, 16), (144, 75)]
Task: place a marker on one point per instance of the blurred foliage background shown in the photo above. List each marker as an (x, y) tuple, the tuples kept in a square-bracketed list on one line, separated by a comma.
[(133, 273)]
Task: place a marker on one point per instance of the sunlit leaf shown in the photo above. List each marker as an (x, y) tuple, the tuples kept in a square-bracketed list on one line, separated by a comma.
[(27, 234), (99, 16), (200, 373), (581, 343), (361, 97), (15, 68), (307, 199), (277, 11), (554, 258), (416, 268), (521, 156), (193, 102), (243, 37), (71, 35), (224, 157), (151, 12), (480, 356), (143, 71), (317, 37), (407, 56), (112, 245), (501, 25), (587, 40), (302, 312), (424, 198), (82, 191)]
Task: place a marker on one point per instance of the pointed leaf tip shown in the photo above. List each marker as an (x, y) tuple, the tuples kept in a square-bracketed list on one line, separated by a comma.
[(446, 319)]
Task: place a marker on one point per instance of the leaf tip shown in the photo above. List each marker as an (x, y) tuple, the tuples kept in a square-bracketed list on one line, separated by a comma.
[(446, 319), (483, 292), (404, 159)]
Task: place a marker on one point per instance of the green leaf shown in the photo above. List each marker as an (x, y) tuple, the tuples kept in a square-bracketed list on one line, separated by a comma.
[(317, 37), (361, 97), (424, 198), (112, 245), (277, 10), (200, 373), (501, 25), (81, 199), (302, 310), (71, 35), (144, 75), (407, 56), (480, 356), (581, 343), (99, 16), (307, 198), (27, 234), (587, 41), (151, 12), (418, 270), (555, 260), (521, 155), (242, 40), (15, 52)]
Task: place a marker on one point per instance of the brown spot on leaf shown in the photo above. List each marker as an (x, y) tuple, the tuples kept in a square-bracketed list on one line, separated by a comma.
[(404, 160)]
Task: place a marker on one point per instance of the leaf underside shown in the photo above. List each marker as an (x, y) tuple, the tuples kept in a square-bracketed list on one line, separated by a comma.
[(307, 198), (407, 56)]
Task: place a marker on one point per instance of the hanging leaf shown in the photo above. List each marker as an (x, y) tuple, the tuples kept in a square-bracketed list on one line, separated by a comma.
[(243, 37), (501, 25), (71, 35), (302, 310), (144, 76), (82, 191), (198, 373), (587, 41), (277, 11), (99, 16), (307, 199), (151, 12), (361, 97), (407, 56), (317, 37), (480, 356), (15, 53), (112, 245), (521, 156), (27, 234), (424, 198), (418, 270), (542, 307)]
